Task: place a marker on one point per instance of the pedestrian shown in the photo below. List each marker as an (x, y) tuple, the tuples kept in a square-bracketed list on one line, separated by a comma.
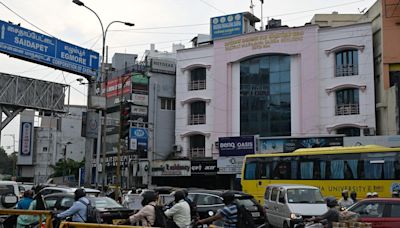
[(345, 201), (79, 209), (375, 195), (146, 215), (395, 194), (353, 196), (369, 195), (180, 212), (228, 213), (26, 200)]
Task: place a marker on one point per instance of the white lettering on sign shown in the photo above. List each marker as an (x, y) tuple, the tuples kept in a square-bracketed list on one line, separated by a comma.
[(73, 58), (230, 145), (30, 44)]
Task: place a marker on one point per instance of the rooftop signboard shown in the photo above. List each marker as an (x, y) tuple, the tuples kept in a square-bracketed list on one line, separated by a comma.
[(45, 50), (226, 26)]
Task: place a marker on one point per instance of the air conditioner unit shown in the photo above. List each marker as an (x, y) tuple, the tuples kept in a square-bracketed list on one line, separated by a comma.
[(216, 144), (177, 148), (369, 131)]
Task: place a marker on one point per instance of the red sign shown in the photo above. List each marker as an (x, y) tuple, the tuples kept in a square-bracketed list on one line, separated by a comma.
[(114, 86)]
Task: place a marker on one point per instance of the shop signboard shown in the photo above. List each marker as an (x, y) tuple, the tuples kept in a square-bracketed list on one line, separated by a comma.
[(230, 165), (140, 99), (208, 167), (171, 168), (138, 78), (226, 26), (166, 66), (236, 146), (138, 139), (290, 144), (35, 47), (139, 110)]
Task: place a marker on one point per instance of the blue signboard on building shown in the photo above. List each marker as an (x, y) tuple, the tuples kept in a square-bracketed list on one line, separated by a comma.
[(138, 139), (49, 51), (236, 146), (226, 26)]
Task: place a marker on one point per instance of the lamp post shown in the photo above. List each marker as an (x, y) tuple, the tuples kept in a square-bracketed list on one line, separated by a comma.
[(104, 78)]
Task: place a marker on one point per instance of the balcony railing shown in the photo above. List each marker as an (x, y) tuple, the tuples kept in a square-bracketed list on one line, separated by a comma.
[(197, 152), (196, 119), (347, 109), (197, 85), (346, 70)]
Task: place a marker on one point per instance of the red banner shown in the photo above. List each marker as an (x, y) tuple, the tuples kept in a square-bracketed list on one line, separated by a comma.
[(114, 86)]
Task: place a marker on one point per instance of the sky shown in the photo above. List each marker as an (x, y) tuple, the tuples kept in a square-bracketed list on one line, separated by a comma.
[(162, 22)]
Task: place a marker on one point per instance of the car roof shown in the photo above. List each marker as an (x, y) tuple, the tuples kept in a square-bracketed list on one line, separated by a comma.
[(215, 192), (380, 199), (69, 189), (8, 182), (292, 186)]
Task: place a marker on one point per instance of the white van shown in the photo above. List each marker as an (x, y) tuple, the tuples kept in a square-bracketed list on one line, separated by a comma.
[(7, 188), (287, 204)]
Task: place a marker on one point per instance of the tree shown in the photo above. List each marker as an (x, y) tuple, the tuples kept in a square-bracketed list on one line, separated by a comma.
[(7, 162), (68, 167)]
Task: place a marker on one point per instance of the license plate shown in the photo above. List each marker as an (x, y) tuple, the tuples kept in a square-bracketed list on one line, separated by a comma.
[(116, 221), (255, 214)]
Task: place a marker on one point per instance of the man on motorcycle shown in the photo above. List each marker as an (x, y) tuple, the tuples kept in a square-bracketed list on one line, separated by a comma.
[(332, 215), (78, 210)]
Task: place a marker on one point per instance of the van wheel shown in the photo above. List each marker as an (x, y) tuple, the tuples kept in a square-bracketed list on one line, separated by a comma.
[(285, 225)]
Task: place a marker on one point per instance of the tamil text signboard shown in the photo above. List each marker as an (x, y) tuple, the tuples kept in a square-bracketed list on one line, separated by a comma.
[(226, 26), (42, 49), (236, 146), (208, 167)]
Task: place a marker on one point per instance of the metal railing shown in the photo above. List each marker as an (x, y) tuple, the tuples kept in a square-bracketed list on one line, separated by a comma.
[(197, 152), (39, 213), (197, 85), (347, 109), (196, 119), (346, 70)]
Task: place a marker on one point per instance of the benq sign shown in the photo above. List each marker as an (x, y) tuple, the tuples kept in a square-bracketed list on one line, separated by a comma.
[(236, 146)]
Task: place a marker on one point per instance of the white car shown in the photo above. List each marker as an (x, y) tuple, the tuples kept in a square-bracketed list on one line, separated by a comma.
[(51, 190), (286, 204), (8, 188)]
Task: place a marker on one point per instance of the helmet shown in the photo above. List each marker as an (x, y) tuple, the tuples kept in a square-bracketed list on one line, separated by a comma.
[(79, 193), (228, 197), (331, 201), (148, 196), (179, 195)]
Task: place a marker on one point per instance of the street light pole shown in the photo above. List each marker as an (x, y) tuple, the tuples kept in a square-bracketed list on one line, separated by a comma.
[(104, 79)]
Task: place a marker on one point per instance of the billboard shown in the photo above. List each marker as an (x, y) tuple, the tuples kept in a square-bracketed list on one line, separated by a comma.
[(226, 26), (289, 144), (138, 138), (45, 50), (26, 138), (236, 146), (114, 86), (166, 66)]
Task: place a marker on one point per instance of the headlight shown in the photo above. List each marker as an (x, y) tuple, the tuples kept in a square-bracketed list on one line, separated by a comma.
[(295, 216)]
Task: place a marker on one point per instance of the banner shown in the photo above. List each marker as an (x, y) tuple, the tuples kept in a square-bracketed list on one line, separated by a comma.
[(236, 146)]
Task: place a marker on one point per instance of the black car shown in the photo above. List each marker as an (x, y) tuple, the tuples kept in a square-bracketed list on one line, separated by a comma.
[(111, 212), (210, 201)]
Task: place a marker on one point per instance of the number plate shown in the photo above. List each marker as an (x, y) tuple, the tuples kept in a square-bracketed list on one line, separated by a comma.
[(255, 214)]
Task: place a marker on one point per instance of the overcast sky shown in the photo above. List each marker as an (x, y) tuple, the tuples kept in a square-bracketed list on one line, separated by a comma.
[(161, 22)]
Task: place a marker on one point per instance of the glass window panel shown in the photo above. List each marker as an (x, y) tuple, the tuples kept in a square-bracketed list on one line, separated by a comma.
[(274, 77), (250, 172), (275, 88), (285, 87), (337, 169), (306, 170), (284, 76)]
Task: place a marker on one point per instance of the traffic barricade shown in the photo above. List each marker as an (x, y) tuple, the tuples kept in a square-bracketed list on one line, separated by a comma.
[(40, 213)]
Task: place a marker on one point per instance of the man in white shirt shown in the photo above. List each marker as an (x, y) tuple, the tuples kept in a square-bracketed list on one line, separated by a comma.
[(345, 201), (180, 212)]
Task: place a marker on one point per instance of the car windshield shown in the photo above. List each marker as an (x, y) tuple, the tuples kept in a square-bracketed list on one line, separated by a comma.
[(104, 202), (246, 202), (304, 196)]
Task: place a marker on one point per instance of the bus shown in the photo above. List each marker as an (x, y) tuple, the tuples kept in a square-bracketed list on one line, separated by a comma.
[(361, 169)]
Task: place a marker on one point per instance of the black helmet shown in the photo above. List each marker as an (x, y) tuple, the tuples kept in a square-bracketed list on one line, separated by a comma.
[(331, 201), (148, 196), (228, 197), (79, 193), (179, 195)]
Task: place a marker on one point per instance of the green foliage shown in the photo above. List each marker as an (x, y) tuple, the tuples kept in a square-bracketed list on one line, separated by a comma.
[(7, 162), (68, 167)]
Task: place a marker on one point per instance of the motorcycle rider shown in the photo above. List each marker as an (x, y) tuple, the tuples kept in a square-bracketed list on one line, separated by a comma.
[(26, 201), (147, 214), (332, 215), (180, 212), (78, 210)]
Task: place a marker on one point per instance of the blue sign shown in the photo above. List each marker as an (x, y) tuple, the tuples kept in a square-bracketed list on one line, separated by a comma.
[(236, 146), (26, 139), (138, 138), (49, 51), (226, 26)]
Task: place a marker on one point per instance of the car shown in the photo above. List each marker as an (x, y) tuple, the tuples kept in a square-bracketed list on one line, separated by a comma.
[(111, 212), (381, 212), (8, 188), (61, 189), (210, 201), (286, 204)]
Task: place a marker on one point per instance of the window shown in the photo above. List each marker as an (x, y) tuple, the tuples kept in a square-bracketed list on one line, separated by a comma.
[(349, 131), (197, 113), (167, 103), (281, 196), (372, 209), (51, 202), (347, 102), (66, 202), (265, 96), (250, 171), (197, 146), (203, 199), (394, 210), (197, 79), (346, 63), (5, 189), (267, 193), (274, 194)]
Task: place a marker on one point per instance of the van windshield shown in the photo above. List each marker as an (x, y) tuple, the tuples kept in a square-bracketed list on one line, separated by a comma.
[(304, 196)]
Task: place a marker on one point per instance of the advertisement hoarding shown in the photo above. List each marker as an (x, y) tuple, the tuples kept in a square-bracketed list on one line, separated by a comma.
[(286, 145), (226, 26), (138, 138), (236, 146), (45, 50), (114, 86), (230, 165)]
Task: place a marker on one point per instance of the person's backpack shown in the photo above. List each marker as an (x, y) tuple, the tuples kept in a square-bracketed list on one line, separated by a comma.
[(160, 219), (93, 215), (193, 209), (244, 217)]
